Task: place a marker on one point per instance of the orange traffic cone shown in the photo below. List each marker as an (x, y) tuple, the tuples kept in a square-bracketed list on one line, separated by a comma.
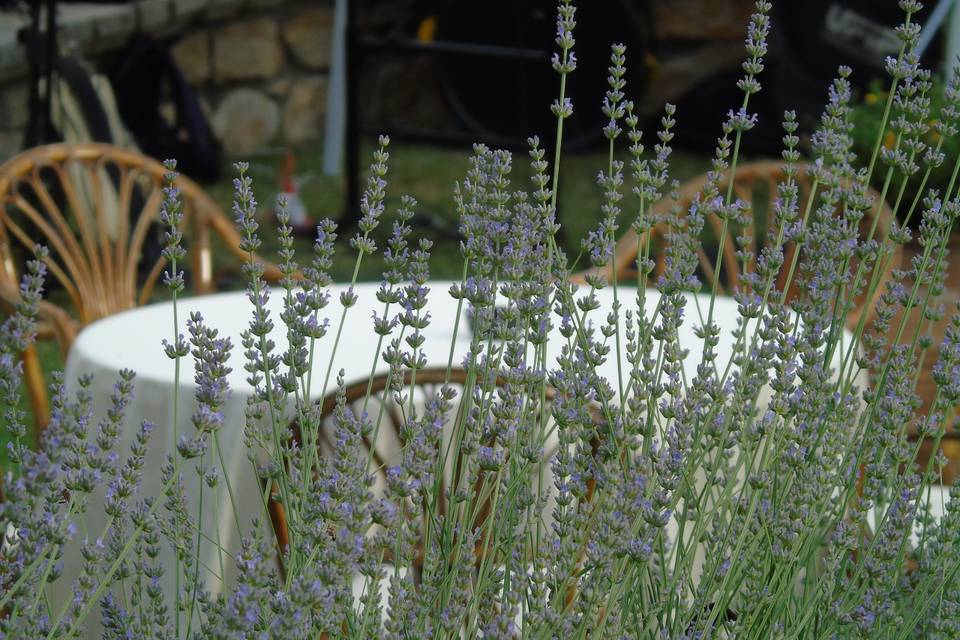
[(299, 219)]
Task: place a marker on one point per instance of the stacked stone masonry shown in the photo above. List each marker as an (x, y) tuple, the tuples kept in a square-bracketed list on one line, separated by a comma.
[(259, 67)]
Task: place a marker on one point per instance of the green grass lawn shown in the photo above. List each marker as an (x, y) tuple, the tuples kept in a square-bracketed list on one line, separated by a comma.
[(427, 173)]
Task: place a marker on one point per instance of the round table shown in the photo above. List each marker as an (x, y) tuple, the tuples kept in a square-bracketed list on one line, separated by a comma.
[(133, 340)]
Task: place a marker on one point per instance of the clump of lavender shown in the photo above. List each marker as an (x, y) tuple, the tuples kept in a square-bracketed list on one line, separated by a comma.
[(771, 494)]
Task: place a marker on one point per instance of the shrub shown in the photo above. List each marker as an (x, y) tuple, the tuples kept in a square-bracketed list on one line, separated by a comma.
[(765, 497)]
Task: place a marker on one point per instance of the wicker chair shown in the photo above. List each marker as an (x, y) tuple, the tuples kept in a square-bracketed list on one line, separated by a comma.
[(389, 440), (756, 183), (93, 206)]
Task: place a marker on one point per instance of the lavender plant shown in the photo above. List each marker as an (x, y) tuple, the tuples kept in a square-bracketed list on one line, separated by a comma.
[(771, 495)]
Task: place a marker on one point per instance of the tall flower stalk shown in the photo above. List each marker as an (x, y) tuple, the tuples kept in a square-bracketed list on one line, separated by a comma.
[(609, 460)]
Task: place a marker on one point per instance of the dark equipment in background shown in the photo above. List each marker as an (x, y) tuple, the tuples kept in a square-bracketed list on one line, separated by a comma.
[(809, 40), (41, 48), (503, 98), (46, 66), (493, 62), (146, 75)]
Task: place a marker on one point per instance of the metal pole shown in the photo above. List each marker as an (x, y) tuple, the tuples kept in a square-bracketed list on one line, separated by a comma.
[(32, 46), (50, 60), (934, 21), (351, 212), (953, 40), (334, 126)]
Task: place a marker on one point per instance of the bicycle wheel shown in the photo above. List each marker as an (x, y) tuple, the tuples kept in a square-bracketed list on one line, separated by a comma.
[(506, 98)]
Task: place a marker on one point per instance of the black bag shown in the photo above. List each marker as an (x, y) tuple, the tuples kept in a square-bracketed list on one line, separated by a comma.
[(147, 73)]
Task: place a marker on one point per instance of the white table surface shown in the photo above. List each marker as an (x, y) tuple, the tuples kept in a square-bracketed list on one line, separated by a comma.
[(133, 340)]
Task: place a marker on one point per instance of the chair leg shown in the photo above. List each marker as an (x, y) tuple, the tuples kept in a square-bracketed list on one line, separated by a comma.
[(36, 392), (278, 519)]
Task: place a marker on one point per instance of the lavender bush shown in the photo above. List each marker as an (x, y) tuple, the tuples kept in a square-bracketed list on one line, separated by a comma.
[(771, 496)]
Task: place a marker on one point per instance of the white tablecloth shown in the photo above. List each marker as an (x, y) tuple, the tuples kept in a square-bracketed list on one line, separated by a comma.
[(133, 340)]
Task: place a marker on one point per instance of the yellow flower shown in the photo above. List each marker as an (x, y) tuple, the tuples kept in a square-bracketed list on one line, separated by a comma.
[(870, 98), (889, 140)]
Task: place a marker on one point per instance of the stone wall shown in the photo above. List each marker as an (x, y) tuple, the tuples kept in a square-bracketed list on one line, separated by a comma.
[(263, 76), (258, 67)]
